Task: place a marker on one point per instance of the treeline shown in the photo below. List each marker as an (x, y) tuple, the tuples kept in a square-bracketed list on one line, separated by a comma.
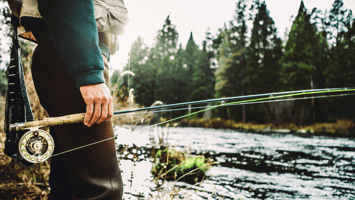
[(318, 52)]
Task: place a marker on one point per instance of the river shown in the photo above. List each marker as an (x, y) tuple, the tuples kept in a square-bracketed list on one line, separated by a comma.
[(251, 166)]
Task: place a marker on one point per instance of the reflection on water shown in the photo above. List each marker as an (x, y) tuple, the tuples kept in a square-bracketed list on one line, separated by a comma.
[(252, 166)]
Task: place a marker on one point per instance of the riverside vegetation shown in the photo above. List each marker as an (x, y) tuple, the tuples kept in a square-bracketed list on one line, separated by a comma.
[(174, 165), (340, 128)]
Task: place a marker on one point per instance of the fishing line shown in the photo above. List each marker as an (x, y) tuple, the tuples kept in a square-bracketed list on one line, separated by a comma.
[(271, 96), (111, 138), (245, 102), (248, 103), (266, 98), (313, 91)]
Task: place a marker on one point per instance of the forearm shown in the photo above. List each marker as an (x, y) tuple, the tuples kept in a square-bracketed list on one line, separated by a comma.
[(72, 26)]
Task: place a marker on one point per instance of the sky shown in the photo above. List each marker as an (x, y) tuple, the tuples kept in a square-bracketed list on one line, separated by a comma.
[(147, 17)]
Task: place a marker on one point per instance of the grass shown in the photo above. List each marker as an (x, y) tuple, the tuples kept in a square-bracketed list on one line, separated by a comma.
[(173, 165), (341, 128)]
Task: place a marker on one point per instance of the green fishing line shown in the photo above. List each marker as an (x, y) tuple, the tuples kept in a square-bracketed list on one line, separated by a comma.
[(256, 100), (228, 104)]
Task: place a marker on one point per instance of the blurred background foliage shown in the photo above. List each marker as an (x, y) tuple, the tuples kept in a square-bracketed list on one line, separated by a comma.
[(318, 52)]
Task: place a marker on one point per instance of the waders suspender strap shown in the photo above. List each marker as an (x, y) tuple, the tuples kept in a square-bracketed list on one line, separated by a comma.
[(17, 108)]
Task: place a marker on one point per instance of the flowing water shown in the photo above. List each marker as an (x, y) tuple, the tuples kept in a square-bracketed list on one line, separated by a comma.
[(251, 166)]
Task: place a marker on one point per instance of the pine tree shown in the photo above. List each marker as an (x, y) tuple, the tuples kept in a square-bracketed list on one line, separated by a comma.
[(239, 54), (231, 73), (341, 70), (143, 81), (322, 64), (181, 78), (191, 56), (264, 54), (221, 79), (300, 51), (203, 82), (164, 53), (347, 109), (337, 20), (303, 64)]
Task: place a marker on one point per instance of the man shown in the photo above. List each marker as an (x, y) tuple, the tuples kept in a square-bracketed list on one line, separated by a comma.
[(67, 69)]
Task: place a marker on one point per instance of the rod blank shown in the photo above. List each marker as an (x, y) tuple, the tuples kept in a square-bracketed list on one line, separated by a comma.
[(78, 118)]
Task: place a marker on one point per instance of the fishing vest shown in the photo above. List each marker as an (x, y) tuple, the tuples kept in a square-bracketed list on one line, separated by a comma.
[(111, 18)]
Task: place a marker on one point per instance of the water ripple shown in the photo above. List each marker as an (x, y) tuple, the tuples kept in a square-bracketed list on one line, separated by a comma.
[(252, 166)]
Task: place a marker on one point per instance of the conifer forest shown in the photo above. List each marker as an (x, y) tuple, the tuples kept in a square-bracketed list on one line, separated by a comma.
[(318, 52)]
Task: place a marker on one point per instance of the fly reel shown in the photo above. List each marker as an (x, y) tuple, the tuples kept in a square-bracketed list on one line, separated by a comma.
[(36, 146)]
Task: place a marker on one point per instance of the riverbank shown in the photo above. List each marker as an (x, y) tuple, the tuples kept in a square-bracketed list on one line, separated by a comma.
[(342, 128)]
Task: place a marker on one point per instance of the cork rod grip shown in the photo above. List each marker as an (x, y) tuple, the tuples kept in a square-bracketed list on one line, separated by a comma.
[(51, 121)]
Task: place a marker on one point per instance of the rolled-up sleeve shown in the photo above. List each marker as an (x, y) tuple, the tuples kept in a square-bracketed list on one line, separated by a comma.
[(72, 26)]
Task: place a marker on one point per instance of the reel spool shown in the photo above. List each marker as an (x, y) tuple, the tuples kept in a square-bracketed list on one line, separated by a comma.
[(36, 146)]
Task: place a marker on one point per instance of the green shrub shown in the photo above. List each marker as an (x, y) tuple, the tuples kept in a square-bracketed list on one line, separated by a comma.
[(174, 165)]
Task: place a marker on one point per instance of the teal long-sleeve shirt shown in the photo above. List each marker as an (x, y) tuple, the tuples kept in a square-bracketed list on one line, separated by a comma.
[(72, 26)]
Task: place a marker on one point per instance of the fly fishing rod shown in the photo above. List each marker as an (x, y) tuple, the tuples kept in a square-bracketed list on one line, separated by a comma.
[(78, 118), (37, 145)]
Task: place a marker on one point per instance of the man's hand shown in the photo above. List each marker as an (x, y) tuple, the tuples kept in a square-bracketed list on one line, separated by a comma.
[(99, 106)]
